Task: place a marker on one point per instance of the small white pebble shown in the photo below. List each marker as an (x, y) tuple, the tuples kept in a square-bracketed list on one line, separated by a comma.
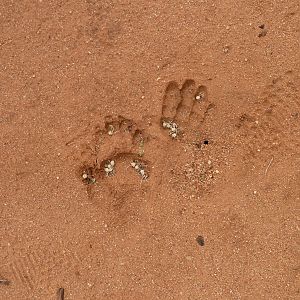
[(84, 176), (112, 163)]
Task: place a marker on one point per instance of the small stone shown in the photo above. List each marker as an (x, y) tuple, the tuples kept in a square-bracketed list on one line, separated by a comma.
[(226, 49), (111, 129), (84, 176), (200, 240)]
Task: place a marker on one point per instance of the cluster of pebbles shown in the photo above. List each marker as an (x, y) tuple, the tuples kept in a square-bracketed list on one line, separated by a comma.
[(109, 167), (173, 128), (140, 168), (200, 96), (88, 178)]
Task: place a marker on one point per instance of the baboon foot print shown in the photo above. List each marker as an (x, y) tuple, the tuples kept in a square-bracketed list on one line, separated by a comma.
[(130, 160), (184, 108), (116, 176), (119, 145)]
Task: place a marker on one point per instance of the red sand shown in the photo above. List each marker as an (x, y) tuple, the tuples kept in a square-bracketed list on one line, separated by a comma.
[(69, 69)]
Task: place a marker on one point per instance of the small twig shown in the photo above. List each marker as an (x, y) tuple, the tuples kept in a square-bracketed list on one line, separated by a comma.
[(61, 294), (267, 169), (4, 281)]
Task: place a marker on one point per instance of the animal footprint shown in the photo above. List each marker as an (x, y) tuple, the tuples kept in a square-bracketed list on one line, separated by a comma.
[(119, 144), (184, 108), (115, 170), (129, 160)]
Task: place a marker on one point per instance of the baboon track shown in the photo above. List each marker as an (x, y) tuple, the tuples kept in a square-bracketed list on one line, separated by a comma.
[(122, 151), (121, 141), (124, 140), (186, 106), (274, 124)]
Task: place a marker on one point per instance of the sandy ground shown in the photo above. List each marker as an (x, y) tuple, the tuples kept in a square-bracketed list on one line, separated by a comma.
[(86, 82)]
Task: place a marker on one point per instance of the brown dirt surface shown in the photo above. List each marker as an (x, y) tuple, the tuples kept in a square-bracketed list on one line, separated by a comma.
[(210, 213)]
